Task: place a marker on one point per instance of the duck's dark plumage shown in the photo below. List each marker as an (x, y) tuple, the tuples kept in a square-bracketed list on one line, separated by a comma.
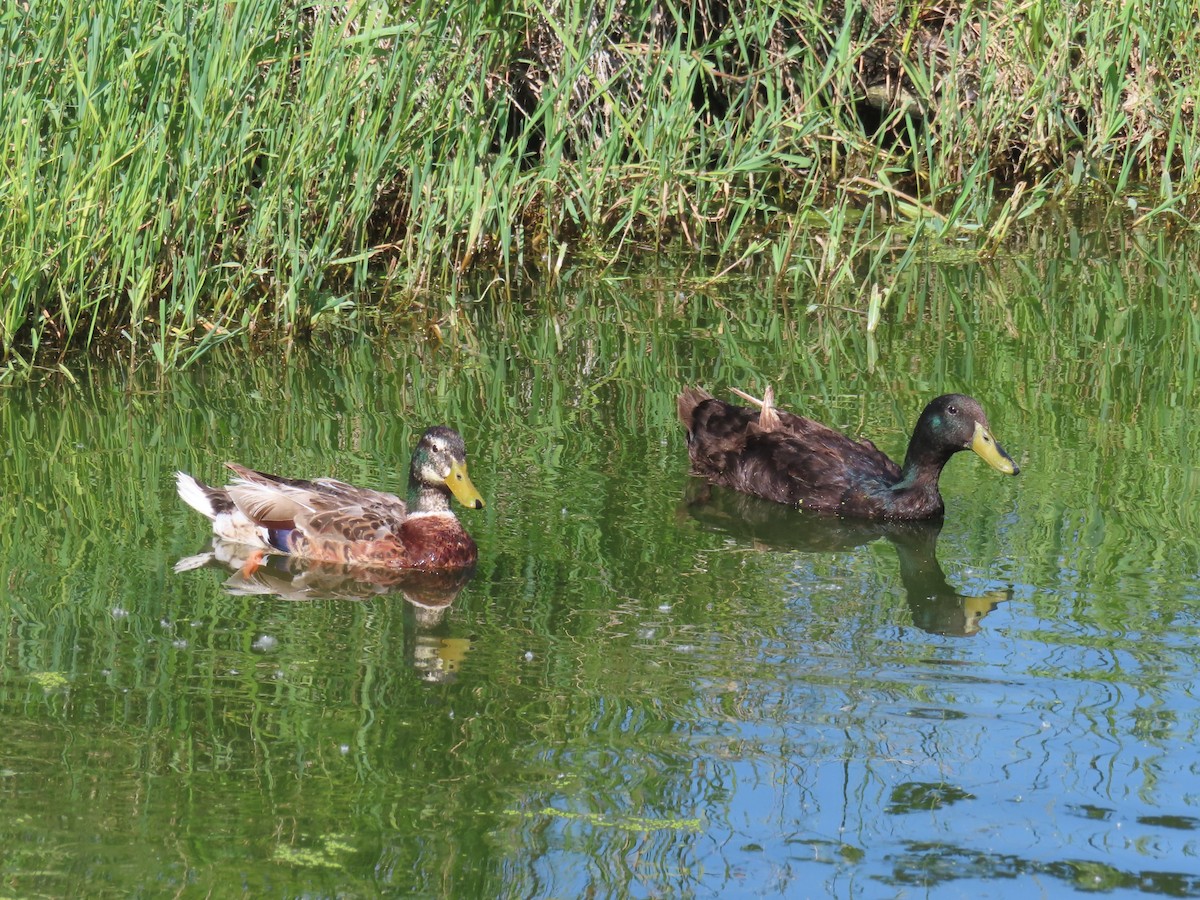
[(795, 460)]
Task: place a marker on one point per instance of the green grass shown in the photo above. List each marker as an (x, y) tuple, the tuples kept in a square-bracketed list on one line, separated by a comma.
[(173, 173)]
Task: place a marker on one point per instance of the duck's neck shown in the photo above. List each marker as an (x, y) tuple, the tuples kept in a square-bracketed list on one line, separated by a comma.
[(922, 469), (426, 498)]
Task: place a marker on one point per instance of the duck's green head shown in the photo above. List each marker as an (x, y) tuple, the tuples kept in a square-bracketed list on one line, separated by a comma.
[(956, 422), (440, 460)]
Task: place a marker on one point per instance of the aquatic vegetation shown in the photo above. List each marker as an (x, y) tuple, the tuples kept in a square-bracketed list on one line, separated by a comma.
[(50, 681), (632, 824), (325, 856)]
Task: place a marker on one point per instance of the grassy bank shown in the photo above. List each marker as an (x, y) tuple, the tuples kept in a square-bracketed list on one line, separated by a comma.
[(174, 172)]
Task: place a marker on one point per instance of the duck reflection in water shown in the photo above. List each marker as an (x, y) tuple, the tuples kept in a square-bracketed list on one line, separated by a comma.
[(429, 646), (935, 605)]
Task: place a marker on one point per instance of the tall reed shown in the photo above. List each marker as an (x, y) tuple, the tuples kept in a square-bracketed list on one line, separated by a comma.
[(176, 172)]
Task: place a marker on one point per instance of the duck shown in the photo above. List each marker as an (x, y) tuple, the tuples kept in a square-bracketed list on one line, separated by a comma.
[(326, 520), (791, 459)]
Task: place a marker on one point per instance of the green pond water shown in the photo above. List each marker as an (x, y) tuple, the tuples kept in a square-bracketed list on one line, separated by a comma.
[(642, 691)]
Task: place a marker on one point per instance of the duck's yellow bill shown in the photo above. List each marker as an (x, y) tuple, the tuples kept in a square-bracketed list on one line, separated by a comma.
[(991, 452), (460, 486)]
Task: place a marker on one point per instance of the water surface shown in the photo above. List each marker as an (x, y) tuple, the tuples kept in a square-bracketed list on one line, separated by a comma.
[(645, 689)]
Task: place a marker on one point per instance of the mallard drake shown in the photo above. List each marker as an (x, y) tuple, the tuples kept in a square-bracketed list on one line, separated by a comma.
[(791, 459), (331, 521)]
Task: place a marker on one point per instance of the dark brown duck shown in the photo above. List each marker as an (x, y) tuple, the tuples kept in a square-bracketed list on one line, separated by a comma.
[(796, 460)]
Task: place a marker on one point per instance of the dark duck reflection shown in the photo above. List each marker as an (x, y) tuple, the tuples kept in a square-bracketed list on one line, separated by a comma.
[(936, 606), (794, 460), (433, 652)]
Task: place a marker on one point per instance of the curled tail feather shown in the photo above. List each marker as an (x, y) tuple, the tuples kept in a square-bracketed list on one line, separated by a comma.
[(768, 418)]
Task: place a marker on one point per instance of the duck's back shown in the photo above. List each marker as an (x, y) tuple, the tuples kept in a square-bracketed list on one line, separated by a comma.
[(797, 461)]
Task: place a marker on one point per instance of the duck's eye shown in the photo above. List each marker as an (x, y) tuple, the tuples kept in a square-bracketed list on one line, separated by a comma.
[(953, 410)]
